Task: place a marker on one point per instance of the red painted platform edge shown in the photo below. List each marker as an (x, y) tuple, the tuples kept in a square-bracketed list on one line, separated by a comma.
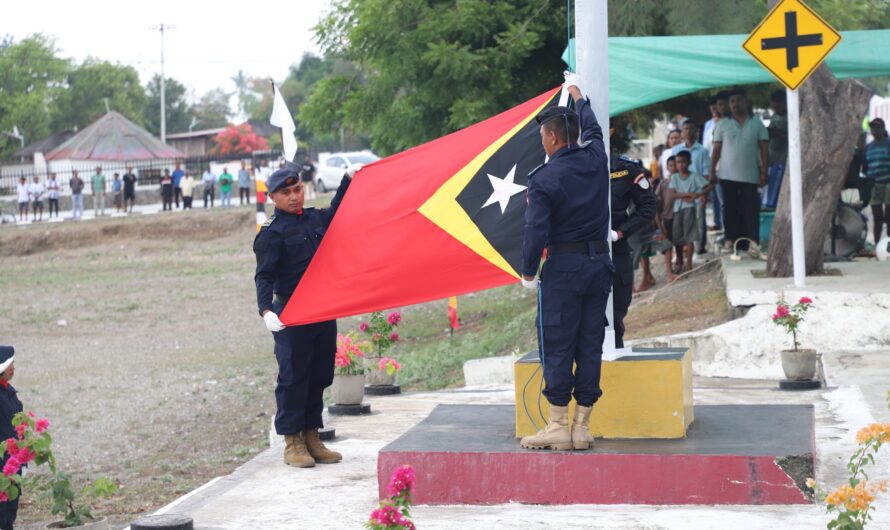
[(572, 478)]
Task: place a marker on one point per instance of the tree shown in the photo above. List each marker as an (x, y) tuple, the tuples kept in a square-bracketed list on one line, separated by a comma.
[(238, 140), (31, 77), (89, 85), (212, 110), (248, 98), (178, 113), (456, 63)]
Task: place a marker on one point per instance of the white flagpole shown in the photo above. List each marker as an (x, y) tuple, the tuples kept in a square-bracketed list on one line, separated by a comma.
[(798, 253), (592, 65)]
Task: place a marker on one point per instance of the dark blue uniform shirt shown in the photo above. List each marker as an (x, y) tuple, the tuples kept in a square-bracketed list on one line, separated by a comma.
[(633, 200), (9, 407), (285, 246), (568, 199)]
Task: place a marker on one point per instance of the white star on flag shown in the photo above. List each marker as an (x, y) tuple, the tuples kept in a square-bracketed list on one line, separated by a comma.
[(503, 189)]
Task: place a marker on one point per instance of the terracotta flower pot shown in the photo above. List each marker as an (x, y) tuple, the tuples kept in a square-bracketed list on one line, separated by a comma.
[(348, 389), (94, 524), (799, 365)]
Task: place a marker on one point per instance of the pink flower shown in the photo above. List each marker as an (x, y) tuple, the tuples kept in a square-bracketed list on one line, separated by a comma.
[(341, 360), (363, 326), (393, 336), (12, 467), (12, 447), (805, 300), (31, 414), (781, 311), (386, 515), (24, 456), (20, 430), (3, 496), (394, 318), (41, 425), (402, 480)]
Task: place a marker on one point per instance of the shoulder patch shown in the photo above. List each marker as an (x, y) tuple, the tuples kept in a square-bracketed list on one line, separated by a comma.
[(582, 145), (268, 222), (618, 174), (642, 181)]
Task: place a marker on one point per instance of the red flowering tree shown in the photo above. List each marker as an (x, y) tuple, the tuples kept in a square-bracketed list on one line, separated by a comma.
[(238, 140)]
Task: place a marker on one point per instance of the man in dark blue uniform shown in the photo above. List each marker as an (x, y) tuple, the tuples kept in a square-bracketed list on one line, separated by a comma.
[(284, 247), (9, 407), (630, 187), (568, 212)]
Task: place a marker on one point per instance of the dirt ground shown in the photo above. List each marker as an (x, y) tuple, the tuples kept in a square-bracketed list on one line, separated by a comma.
[(139, 339), (160, 376)]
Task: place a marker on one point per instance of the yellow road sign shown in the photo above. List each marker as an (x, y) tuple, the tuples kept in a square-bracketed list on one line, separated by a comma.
[(791, 42)]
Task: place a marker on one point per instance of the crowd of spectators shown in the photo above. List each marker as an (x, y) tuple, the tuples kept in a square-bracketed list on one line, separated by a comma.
[(177, 189)]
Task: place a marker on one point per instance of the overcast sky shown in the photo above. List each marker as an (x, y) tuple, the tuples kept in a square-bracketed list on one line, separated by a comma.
[(210, 42)]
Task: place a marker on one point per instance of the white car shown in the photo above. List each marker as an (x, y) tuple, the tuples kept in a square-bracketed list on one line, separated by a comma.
[(332, 166)]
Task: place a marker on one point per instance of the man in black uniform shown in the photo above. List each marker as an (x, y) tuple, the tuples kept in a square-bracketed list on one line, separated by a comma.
[(630, 186), (9, 407), (307, 173), (568, 209), (284, 247)]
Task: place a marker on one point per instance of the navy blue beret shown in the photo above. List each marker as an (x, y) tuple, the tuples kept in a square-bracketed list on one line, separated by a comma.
[(282, 178)]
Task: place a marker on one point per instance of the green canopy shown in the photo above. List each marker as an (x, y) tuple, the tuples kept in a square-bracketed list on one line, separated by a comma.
[(646, 70)]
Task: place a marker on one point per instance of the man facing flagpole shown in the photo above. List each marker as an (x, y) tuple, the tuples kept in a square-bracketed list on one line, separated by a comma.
[(568, 212)]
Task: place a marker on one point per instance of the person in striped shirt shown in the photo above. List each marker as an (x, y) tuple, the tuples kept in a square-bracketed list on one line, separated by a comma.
[(877, 170)]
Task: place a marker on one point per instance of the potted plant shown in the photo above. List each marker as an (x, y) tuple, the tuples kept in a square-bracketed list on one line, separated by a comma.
[(33, 445), (799, 364), (349, 379), (381, 332)]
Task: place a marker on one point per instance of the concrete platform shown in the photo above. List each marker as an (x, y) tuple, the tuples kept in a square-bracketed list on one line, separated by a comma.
[(733, 454)]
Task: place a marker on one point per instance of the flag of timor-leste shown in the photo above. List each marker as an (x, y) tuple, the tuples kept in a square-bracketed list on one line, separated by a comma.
[(440, 219)]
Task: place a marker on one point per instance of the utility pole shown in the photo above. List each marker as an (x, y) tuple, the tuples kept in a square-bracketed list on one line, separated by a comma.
[(162, 28)]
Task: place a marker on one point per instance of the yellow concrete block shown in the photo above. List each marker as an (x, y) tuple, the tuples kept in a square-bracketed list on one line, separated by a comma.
[(646, 394)]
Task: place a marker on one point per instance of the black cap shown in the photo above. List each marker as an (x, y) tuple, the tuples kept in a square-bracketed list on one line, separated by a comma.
[(283, 178), (555, 112)]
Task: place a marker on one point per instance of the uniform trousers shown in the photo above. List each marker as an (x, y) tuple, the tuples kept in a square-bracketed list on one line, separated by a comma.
[(573, 294), (244, 195), (622, 292), (305, 357), (741, 212)]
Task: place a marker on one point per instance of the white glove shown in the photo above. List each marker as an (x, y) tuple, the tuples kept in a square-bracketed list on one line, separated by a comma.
[(531, 284), (572, 79), (272, 321), (613, 236), (353, 169)]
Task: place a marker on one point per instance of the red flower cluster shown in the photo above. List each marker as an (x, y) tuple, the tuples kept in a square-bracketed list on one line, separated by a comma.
[(389, 516), (401, 481), (781, 311), (238, 140), (19, 456), (394, 318)]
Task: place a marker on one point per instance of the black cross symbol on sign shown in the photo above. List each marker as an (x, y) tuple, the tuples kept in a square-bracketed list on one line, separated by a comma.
[(791, 42)]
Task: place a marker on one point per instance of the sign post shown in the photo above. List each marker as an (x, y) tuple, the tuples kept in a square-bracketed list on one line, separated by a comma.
[(791, 42)]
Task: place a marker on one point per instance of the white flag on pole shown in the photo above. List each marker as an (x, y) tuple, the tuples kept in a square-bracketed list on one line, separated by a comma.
[(281, 117)]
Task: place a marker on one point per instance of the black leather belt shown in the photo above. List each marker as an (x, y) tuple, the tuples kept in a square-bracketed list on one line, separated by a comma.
[(579, 247), (278, 299)]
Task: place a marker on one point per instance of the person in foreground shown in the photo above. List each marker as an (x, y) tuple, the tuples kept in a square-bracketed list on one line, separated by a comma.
[(284, 247), (568, 212), (9, 407)]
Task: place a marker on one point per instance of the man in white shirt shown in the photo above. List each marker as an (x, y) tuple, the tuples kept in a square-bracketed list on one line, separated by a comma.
[(719, 106), (209, 181), (36, 191), (24, 196), (673, 138)]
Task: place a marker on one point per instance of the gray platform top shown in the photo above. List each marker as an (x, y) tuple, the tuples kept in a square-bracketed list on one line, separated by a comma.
[(739, 430)]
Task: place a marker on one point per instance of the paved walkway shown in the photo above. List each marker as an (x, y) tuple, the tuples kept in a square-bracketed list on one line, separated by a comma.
[(266, 494)]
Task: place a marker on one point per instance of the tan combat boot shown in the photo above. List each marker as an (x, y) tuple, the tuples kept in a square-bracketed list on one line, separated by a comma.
[(556, 435), (295, 452), (581, 437), (319, 452)]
